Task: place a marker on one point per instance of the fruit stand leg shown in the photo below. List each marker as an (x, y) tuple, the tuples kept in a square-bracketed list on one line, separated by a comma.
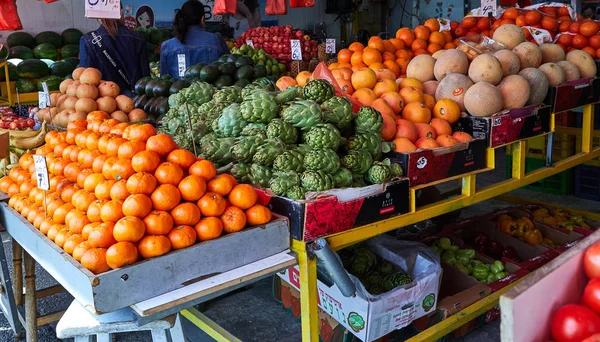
[(308, 296), (205, 324), (18, 270), (30, 304)]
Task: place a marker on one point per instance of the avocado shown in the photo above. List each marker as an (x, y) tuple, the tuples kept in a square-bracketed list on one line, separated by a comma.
[(244, 60), (244, 72), (260, 71), (241, 83), (223, 81), (233, 58), (178, 85), (194, 70), (209, 73), (223, 58), (227, 68)]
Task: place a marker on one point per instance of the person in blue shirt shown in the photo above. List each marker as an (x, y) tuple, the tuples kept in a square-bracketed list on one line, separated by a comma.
[(192, 43), (119, 53)]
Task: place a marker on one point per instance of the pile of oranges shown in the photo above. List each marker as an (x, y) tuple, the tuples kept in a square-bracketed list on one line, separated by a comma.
[(120, 193)]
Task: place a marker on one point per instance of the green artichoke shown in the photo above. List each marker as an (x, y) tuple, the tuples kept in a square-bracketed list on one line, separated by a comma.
[(396, 279), (268, 151), (357, 161), (217, 150), (254, 129), (260, 175), (259, 107), (228, 95), (396, 170), (290, 160), (318, 90), (338, 111), (323, 135), (241, 172), (368, 119), (245, 147), (230, 122), (316, 181), (198, 93), (372, 280), (302, 114), (368, 141), (386, 267), (379, 172), (296, 192), (342, 178), (358, 181), (322, 159), (209, 111), (282, 181), (282, 130), (364, 260)]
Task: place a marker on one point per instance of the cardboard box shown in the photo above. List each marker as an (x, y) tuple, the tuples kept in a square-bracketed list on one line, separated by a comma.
[(573, 94), (426, 166), (338, 210), (4, 145), (527, 309), (508, 126), (330, 330)]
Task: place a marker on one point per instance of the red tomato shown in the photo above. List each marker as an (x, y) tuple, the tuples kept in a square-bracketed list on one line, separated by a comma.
[(591, 261), (573, 323), (591, 295), (593, 338)]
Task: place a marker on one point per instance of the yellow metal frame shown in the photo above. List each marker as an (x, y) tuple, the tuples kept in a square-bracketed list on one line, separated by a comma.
[(468, 196)]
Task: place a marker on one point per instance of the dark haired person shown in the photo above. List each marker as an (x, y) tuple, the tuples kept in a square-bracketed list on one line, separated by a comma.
[(192, 43), (119, 53)]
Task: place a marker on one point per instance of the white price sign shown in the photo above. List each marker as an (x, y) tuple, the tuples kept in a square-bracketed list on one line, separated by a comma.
[(296, 50), (488, 6), (109, 9), (43, 99), (181, 64), (41, 171), (250, 43), (330, 45)]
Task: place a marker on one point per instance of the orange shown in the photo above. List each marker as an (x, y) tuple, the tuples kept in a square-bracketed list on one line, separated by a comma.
[(138, 205), (432, 24), (192, 188), (402, 64), (376, 43), (258, 215), (421, 52), (169, 173), (377, 66), (181, 157), (365, 96), (154, 245), (72, 242), (433, 48), (234, 219), (145, 183), (365, 78), (410, 94), (165, 197), (422, 32), (128, 149), (357, 58), (212, 204), (411, 82), (87, 229), (162, 144), (93, 212), (418, 44), (429, 101), (346, 86), (112, 211), (182, 237), (243, 196), (448, 110), (121, 254), (158, 223), (393, 66), (403, 54), (145, 161), (94, 259), (370, 56), (405, 35), (394, 100), (344, 56), (356, 46), (209, 228), (119, 190), (129, 228), (186, 214), (203, 168), (397, 43), (383, 108), (384, 86), (303, 77), (389, 47), (102, 235), (343, 73)]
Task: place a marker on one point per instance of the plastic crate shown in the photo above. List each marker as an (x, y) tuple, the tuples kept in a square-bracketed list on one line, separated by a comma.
[(565, 119), (559, 184), (586, 184), (563, 147), (595, 143), (579, 118)]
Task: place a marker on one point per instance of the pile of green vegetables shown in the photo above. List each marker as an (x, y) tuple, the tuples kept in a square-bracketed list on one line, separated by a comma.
[(293, 141), (260, 57), (464, 260), (375, 273)]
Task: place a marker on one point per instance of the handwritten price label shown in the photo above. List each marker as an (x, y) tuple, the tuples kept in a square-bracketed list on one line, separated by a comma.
[(41, 171), (181, 64), (250, 43), (296, 50), (330, 45), (488, 6), (109, 9)]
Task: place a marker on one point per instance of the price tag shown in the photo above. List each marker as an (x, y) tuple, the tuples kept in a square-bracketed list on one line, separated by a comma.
[(41, 171), (444, 24), (181, 64), (296, 50), (487, 7), (250, 43), (109, 9), (44, 99), (330, 45)]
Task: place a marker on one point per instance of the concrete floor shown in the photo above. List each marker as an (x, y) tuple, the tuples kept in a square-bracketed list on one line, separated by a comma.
[(252, 314)]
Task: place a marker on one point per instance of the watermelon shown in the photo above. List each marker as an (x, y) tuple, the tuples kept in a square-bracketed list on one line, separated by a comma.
[(12, 72), (46, 51), (14, 61), (61, 69), (48, 62), (25, 86), (70, 50), (52, 82), (140, 85), (74, 61), (21, 52), (178, 85), (32, 68), (71, 36), (49, 37), (21, 39), (3, 53)]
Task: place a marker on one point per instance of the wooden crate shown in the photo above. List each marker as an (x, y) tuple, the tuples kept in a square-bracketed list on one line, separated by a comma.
[(125, 286)]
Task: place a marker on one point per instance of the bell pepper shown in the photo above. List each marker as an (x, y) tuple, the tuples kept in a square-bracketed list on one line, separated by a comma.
[(549, 243), (553, 221), (497, 267), (509, 227), (436, 249), (567, 225), (480, 242), (444, 243), (501, 275), (469, 253), (454, 248), (533, 237), (476, 263), (463, 268), (526, 222), (462, 259), (490, 278), (449, 257), (503, 218), (480, 273), (495, 249)]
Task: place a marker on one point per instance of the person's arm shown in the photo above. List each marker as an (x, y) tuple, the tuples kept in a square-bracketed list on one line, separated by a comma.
[(164, 70), (83, 54)]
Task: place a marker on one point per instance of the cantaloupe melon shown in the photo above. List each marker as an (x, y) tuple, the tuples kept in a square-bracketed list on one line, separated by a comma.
[(538, 84), (555, 74), (552, 53), (583, 61), (449, 62), (510, 62), (437, 54), (430, 87), (515, 91), (453, 87), (571, 70), (529, 54), (509, 35), (485, 68), (483, 99), (421, 68)]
